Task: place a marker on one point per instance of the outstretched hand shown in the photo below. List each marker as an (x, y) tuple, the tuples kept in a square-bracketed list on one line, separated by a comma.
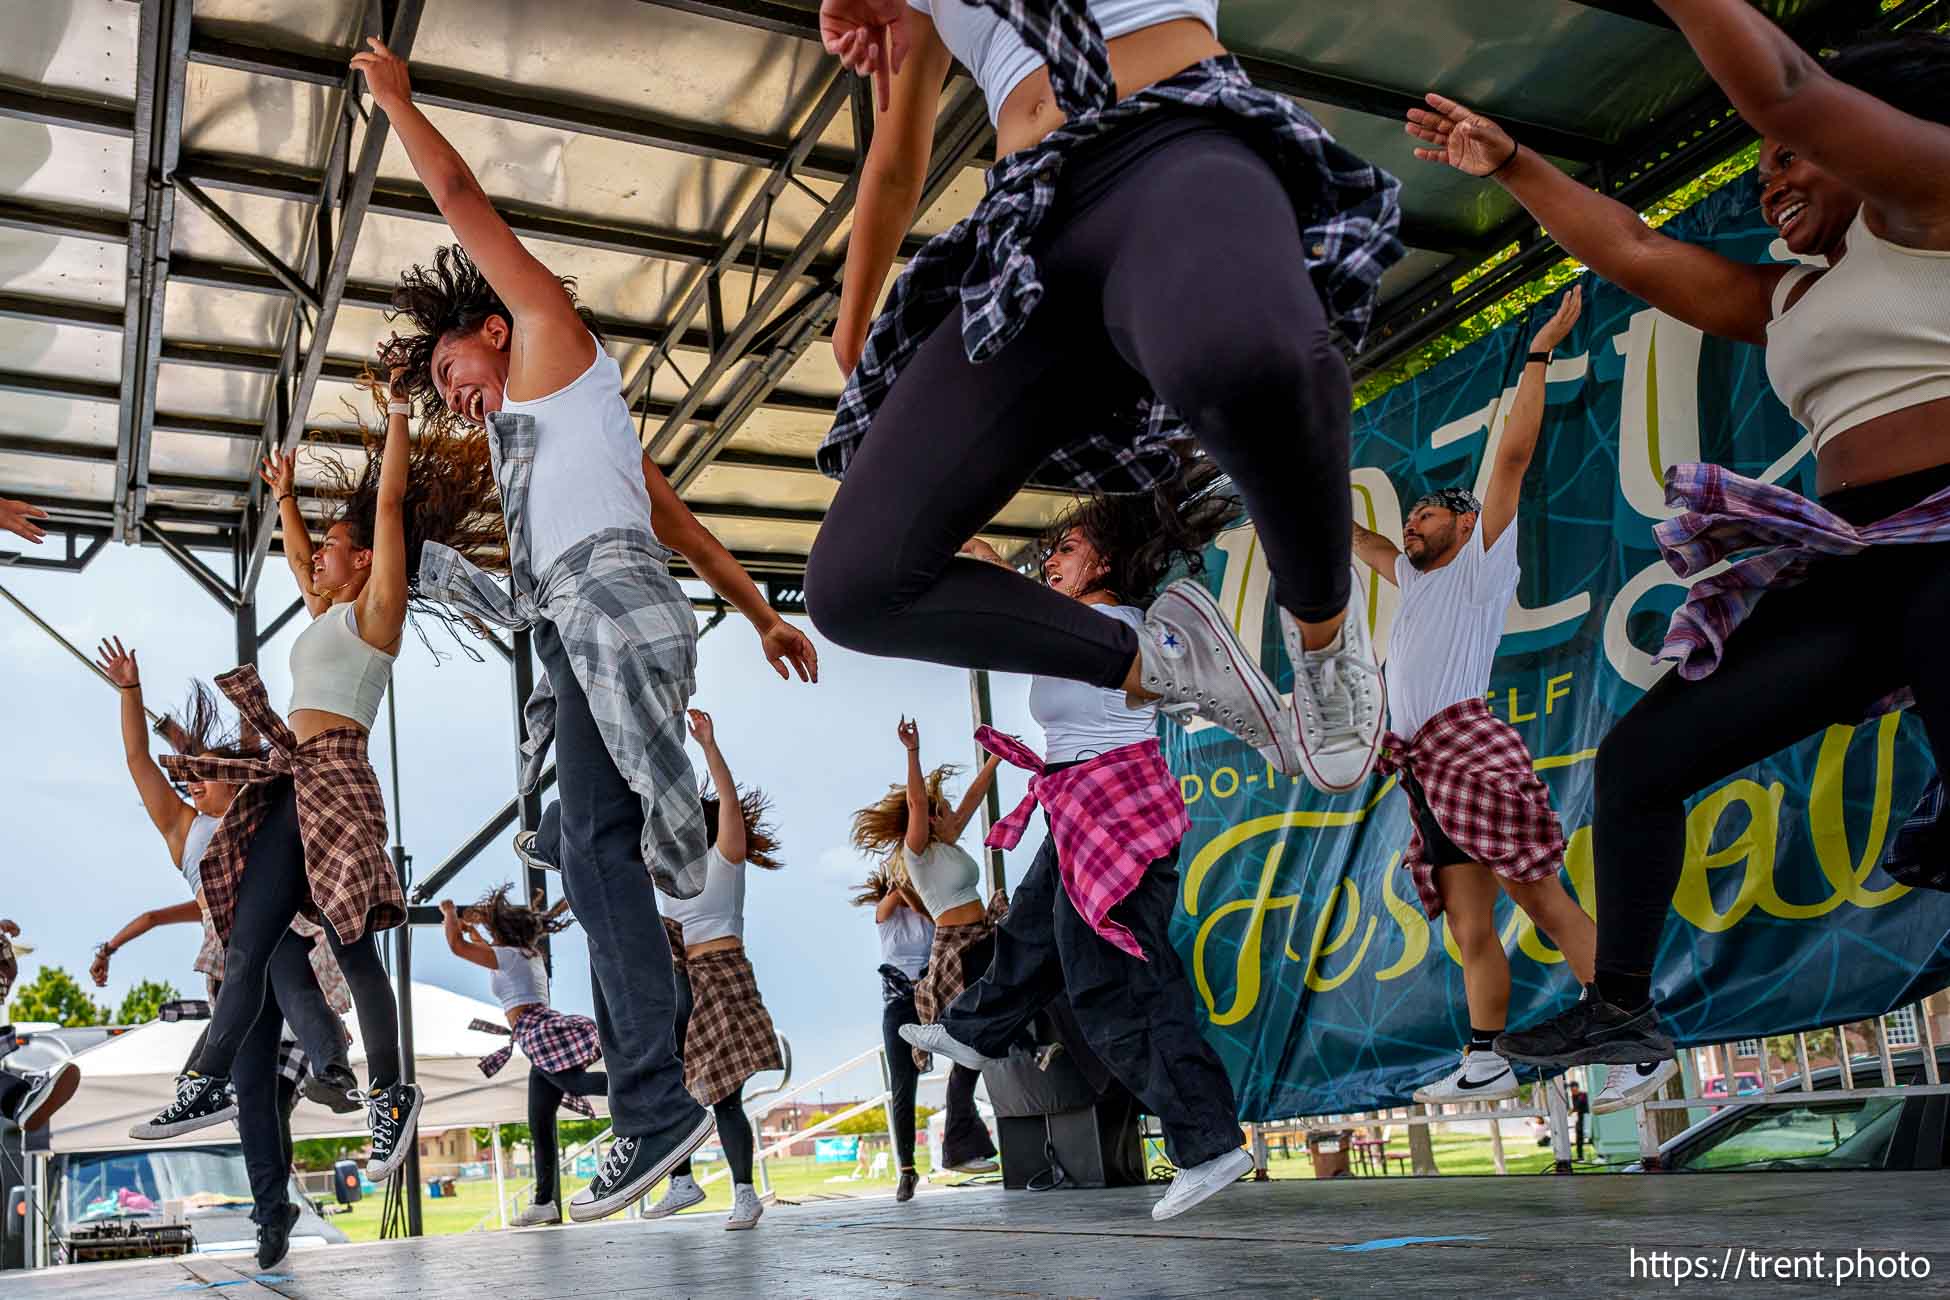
[(385, 75), (869, 37), (910, 734), (786, 645), (17, 517), (98, 968), (1569, 308), (701, 729), (1455, 135), (279, 473), (118, 664)]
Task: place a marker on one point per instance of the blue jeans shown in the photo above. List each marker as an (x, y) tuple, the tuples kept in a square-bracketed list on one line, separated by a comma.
[(615, 902)]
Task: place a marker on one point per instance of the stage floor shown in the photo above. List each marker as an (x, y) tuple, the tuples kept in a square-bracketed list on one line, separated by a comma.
[(1501, 1236)]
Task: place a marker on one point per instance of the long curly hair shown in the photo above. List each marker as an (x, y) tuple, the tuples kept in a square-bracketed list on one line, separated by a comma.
[(201, 727), (1144, 539), (876, 886), (449, 297), (761, 837), (880, 827), (510, 925)]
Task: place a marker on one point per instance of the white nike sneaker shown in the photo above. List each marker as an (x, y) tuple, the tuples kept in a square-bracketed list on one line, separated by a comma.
[(1339, 701), (1628, 1085), (682, 1193), (1192, 1186), (745, 1208), (1482, 1076), (933, 1038), (538, 1214), (1189, 655)]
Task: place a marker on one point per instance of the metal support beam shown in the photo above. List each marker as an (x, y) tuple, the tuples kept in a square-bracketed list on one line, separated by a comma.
[(276, 626), (271, 262), (528, 807), (200, 573), (508, 814), (248, 640), (161, 59), (982, 704), (351, 202)]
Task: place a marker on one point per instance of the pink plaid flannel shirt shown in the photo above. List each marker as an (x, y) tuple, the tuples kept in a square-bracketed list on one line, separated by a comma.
[(1111, 817)]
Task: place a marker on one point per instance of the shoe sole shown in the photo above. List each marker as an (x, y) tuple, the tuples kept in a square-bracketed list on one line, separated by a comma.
[(964, 1055), (1623, 1052), (286, 1252), (655, 1212), (1631, 1096), (590, 1211), (57, 1097), (1201, 608), (744, 1225), (974, 1167), (535, 863), (157, 1132), (1200, 1197), (1429, 1097), (320, 1093), (408, 1130)]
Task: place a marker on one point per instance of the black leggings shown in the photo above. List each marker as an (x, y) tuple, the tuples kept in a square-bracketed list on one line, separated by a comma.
[(1174, 265), (905, 1076), (545, 1092), (1823, 652), (734, 1129), (269, 896)]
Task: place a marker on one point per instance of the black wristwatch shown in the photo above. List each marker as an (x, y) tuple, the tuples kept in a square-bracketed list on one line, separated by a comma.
[(1544, 357)]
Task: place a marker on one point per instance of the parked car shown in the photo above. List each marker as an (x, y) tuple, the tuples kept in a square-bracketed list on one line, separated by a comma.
[(1744, 1082), (1817, 1134)]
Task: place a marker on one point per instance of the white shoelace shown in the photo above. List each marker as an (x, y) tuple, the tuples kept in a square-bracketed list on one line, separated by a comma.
[(185, 1089), (616, 1160), (1337, 713), (379, 1116)]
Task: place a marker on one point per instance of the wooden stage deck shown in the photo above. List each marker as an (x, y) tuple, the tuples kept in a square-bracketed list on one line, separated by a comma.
[(1492, 1236)]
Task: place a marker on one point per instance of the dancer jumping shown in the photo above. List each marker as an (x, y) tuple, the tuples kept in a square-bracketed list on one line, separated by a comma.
[(906, 937), (28, 1100), (914, 830), (1092, 918), (497, 340), (560, 1048), (1850, 600), (307, 832), (1077, 329)]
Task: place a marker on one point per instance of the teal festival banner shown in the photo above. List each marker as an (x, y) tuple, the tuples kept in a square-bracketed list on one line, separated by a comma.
[(1326, 987)]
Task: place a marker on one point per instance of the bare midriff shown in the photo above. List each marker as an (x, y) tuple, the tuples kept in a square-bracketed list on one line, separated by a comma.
[(1908, 441), (1137, 59), (306, 723), (964, 914), (724, 944), (516, 1013)]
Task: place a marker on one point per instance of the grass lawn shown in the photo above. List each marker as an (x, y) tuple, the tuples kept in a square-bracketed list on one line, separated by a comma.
[(1455, 1153)]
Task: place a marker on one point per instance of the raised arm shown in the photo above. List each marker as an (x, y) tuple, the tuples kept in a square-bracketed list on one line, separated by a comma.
[(461, 939), (971, 800), (280, 474), (170, 815), (1375, 551), (1713, 293), (1526, 420), (551, 345), (1898, 162), (382, 603), (731, 814), (899, 894), (919, 825), (679, 529), (896, 167), (177, 914)]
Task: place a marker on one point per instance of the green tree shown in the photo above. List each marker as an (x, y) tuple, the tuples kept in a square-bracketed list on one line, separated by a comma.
[(141, 1003), (867, 1123), (54, 995), (322, 1153)]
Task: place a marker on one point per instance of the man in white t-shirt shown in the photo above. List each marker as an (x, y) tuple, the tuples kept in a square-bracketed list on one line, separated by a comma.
[(1483, 820)]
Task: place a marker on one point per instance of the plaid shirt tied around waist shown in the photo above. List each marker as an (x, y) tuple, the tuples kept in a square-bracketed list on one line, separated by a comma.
[(1349, 213), (1111, 817), (552, 1040), (630, 637), (341, 817), (1776, 534), (1483, 790)]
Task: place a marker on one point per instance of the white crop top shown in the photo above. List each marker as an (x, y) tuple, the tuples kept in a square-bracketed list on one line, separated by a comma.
[(333, 668), (906, 941), (588, 471), (196, 842), (718, 910), (1871, 336), (519, 979), (1082, 721), (992, 51), (944, 876)]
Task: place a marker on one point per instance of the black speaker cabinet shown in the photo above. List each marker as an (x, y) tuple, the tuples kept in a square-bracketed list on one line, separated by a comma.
[(1097, 1146)]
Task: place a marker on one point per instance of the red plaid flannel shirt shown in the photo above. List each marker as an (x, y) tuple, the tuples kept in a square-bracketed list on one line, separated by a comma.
[(1111, 818), (341, 817), (1482, 786), (551, 1040)]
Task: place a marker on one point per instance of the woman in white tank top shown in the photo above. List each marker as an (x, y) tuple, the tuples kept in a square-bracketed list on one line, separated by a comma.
[(906, 934), (1855, 176), (914, 830)]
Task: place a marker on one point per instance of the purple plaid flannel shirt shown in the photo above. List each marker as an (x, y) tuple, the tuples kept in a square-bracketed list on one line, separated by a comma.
[(1111, 817), (1780, 533), (1349, 211)]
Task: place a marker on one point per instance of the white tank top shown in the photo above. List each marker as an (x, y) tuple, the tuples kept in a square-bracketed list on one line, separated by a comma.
[(1083, 721), (1871, 336), (588, 472), (944, 876), (718, 910), (334, 668), (519, 979), (906, 940), (196, 842), (991, 50)]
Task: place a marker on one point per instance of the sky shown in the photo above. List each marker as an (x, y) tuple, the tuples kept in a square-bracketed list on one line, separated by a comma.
[(85, 858)]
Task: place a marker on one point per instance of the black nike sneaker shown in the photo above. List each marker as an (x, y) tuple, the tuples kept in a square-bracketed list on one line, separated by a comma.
[(201, 1100), (1591, 1032), (274, 1239)]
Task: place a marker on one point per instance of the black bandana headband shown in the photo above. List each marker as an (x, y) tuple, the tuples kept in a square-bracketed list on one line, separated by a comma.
[(1459, 500)]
